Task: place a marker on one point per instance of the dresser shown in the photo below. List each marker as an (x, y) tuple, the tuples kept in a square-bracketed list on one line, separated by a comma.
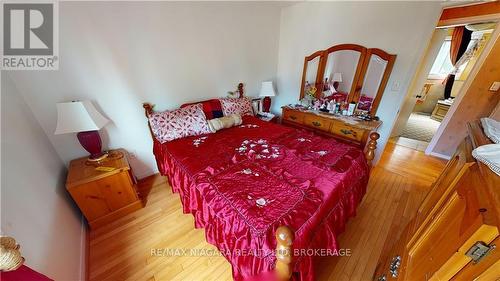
[(456, 229), (346, 128), (104, 191)]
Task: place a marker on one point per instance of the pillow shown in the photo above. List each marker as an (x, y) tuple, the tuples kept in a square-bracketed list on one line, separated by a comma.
[(212, 108), (491, 129), (224, 122), (179, 123), (489, 155), (241, 106)]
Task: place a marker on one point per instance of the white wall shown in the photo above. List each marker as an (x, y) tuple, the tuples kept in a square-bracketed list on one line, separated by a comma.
[(35, 207), (120, 54), (401, 28)]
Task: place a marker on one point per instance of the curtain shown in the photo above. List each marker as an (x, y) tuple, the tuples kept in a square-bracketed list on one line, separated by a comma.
[(459, 41)]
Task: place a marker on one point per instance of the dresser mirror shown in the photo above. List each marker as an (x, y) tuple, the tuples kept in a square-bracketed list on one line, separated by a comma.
[(342, 68), (312, 66), (348, 73), (378, 67)]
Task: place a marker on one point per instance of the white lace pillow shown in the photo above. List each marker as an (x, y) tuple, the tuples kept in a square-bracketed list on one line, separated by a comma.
[(179, 123), (240, 106), (491, 129), (489, 154)]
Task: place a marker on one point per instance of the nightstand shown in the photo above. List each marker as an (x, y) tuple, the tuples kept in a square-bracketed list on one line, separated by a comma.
[(273, 119), (105, 191)]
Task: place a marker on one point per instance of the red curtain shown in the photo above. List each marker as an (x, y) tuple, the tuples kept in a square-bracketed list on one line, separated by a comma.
[(456, 42), (459, 41)]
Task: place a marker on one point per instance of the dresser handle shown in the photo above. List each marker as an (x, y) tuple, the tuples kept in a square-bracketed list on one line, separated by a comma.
[(394, 266), (346, 132), (316, 123), (293, 117)]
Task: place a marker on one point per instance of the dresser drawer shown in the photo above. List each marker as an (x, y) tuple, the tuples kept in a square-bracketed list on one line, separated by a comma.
[(347, 132), (294, 116), (317, 122)]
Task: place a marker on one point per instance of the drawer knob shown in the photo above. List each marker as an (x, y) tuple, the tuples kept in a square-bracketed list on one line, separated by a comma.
[(293, 117), (348, 132), (316, 123)]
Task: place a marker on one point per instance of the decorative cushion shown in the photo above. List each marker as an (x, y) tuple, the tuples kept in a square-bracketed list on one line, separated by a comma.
[(212, 108), (224, 122), (179, 123), (241, 106), (491, 129)]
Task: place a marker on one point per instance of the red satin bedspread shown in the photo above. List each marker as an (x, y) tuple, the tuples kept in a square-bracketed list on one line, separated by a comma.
[(242, 183)]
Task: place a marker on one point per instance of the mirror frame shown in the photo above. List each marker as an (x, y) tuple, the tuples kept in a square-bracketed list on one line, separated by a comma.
[(359, 76), (304, 71), (346, 47), (385, 78)]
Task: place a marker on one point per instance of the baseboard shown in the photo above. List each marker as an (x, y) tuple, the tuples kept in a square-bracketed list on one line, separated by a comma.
[(84, 250), (439, 155), (146, 174)]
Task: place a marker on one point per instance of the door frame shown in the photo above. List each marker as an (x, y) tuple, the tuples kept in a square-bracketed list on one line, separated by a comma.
[(465, 87)]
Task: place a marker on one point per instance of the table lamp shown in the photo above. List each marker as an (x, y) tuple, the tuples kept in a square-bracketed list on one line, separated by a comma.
[(82, 118), (336, 79), (267, 91)]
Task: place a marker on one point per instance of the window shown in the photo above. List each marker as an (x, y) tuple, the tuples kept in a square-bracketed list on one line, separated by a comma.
[(442, 65)]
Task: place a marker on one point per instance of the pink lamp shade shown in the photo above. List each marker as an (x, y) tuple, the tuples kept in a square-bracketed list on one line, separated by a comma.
[(81, 117), (267, 91)]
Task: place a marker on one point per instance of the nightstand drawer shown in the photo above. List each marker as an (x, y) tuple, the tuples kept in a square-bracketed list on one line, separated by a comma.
[(106, 195), (118, 190), (100, 197), (90, 201), (347, 132), (294, 116), (317, 122)]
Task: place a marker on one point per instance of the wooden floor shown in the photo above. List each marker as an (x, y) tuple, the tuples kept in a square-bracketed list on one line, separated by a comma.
[(122, 250)]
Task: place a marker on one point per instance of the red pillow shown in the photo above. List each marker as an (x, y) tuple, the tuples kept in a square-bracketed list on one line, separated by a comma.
[(212, 108)]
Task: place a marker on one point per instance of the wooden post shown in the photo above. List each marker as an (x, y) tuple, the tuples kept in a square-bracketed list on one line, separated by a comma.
[(284, 252), (240, 90), (148, 110), (372, 145)]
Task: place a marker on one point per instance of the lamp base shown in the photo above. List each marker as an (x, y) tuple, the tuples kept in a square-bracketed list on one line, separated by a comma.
[(98, 158), (91, 142), (266, 104)]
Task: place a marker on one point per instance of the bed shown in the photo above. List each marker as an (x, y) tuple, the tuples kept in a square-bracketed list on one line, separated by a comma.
[(243, 184)]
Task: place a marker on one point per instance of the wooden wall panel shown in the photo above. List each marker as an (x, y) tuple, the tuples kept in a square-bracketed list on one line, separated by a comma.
[(473, 13), (477, 102)]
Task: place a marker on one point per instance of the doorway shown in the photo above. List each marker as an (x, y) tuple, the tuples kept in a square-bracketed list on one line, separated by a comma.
[(447, 71)]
